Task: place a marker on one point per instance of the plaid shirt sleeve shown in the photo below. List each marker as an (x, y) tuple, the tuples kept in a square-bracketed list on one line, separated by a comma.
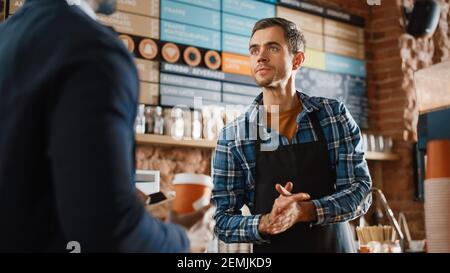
[(229, 196), (353, 180)]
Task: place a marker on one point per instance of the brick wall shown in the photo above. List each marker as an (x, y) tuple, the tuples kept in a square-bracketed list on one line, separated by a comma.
[(393, 109)]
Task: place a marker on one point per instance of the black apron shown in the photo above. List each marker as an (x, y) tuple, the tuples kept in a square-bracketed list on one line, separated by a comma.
[(308, 167)]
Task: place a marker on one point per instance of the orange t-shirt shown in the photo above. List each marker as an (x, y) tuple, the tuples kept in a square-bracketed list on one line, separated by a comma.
[(287, 122)]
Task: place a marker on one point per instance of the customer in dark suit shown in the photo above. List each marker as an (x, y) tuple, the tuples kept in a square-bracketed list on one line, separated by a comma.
[(68, 98)]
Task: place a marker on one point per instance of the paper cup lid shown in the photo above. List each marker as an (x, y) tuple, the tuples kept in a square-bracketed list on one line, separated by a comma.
[(191, 178)]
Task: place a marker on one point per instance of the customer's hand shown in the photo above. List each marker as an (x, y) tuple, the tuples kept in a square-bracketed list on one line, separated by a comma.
[(145, 199), (199, 226)]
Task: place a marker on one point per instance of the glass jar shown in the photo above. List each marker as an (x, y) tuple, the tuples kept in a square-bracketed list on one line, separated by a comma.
[(218, 121), (379, 143), (365, 142), (177, 129), (196, 125), (372, 143), (158, 125), (388, 144), (139, 124), (149, 119)]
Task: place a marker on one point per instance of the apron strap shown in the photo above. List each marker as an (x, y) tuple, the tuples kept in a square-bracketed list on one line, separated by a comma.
[(321, 136), (316, 126), (258, 140)]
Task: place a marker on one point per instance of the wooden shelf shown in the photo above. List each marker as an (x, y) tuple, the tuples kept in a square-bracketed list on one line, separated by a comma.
[(381, 156), (162, 140)]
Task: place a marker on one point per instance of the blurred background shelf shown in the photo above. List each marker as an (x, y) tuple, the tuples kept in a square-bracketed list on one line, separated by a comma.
[(162, 140), (381, 156)]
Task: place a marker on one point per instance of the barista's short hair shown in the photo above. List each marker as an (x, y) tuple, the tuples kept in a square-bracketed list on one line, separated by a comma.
[(294, 37)]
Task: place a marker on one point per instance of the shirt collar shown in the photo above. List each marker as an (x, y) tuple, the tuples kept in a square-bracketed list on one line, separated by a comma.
[(309, 105), (84, 6)]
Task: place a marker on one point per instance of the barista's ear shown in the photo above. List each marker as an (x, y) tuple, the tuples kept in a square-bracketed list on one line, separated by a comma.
[(298, 60)]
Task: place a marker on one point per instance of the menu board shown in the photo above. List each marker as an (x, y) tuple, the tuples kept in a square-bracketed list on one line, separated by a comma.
[(236, 64), (349, 89), (180, 91), (237, 99), (314, 59), (340, 64), (133, 24), (303, 20), (248, 8), (235, 43), (148, 93), (242, 89), (211, 4), (314, 40), (191, 82), (188, 48), (147, 70), (190, 15), (344, 47), (190, 35), (237, 24), (147, 8), (343, 31)]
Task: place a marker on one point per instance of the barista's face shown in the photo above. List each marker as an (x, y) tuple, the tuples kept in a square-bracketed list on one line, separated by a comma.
[(106, 6), (270, 60)]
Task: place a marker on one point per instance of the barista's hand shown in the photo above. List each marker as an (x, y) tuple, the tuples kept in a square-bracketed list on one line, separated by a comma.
[(285, 211), (199, 226), (305, 211)]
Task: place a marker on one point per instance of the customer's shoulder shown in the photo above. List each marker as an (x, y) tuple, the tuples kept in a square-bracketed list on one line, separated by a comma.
[(59, 24), (80, 28), (53, 21), (80, 34)]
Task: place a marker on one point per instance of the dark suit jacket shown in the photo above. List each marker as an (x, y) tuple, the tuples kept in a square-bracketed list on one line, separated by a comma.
[(68, 98)]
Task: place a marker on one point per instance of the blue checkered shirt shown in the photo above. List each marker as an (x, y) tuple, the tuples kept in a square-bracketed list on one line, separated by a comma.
[(234, 167)]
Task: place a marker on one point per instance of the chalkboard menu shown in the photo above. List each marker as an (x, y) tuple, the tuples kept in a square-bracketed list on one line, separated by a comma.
[(190, 48), (346, 88)]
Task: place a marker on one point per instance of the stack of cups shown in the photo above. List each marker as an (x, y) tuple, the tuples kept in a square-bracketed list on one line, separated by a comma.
[(437, 193)]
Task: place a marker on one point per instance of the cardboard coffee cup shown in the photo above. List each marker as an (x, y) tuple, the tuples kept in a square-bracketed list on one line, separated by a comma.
[(438, 158), (193, 192), (437, 190)]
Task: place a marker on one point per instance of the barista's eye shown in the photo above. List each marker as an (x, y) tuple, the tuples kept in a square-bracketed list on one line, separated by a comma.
[(274, 49), (254, 51)]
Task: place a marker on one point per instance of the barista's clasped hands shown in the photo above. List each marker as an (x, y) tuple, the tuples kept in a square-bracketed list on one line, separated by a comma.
[(287, 210)]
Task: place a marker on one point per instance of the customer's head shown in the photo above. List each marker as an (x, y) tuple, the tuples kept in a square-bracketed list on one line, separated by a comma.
[(276, 51), (103, 6)]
